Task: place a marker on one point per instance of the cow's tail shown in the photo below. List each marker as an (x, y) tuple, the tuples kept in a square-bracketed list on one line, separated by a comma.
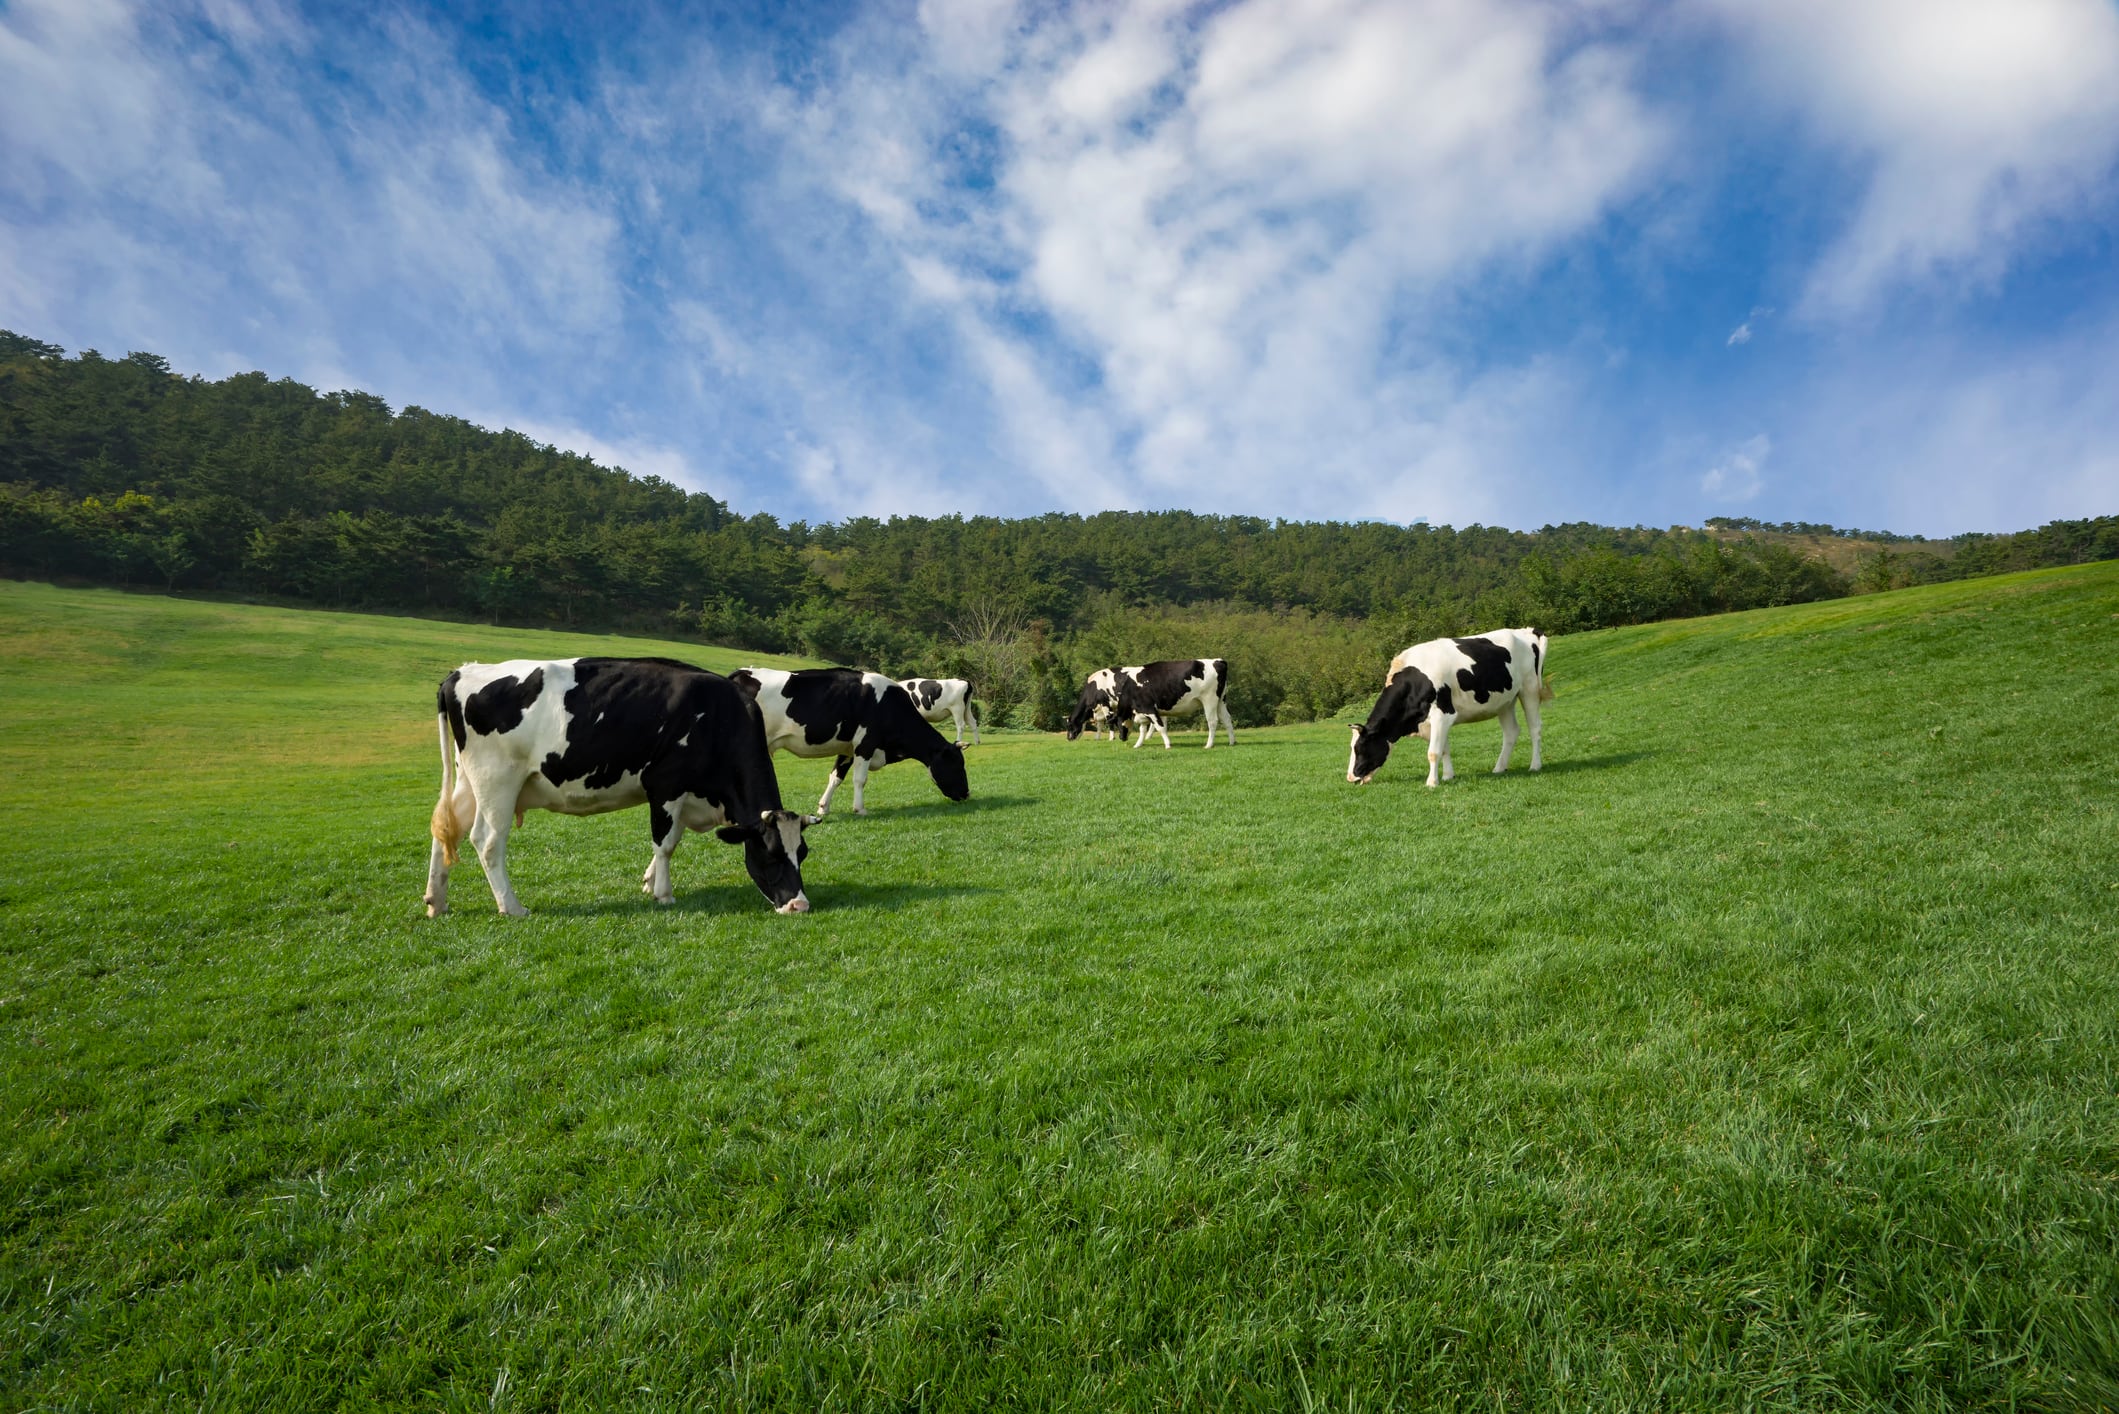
[(1538, 646), (444, 828)]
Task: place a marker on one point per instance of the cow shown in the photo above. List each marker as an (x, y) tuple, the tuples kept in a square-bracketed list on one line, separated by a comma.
[(1099, 698), (1141, 696), (1432, 686), (582, 736), (864, 719), (936, 698)]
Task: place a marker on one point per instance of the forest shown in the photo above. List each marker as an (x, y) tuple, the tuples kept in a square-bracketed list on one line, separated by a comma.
[(125, 472)]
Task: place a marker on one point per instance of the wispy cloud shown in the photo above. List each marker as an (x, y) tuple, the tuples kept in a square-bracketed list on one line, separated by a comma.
[(1971, 121), (1738, 475), (1328, 258)]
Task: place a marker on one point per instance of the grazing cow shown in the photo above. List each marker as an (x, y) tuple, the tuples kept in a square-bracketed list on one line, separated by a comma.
[(1433, 686), (581, 736), (1099, 699), (1142, 696), (936, 698), (864, 719)]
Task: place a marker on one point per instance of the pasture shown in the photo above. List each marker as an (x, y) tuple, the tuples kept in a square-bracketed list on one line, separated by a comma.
[(1761, 1053)]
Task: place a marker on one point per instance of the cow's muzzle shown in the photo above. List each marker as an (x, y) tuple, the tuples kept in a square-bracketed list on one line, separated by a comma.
[(798, 904)]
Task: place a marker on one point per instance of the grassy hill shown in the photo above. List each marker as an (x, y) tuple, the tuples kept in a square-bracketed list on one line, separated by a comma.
[(1762, 1052)]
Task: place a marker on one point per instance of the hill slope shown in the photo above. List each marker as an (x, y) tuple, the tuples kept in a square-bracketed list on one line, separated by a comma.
[(1759, 1052)]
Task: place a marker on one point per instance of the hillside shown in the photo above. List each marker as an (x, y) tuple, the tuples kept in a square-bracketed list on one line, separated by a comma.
[(1755, 1054), (124, 472)]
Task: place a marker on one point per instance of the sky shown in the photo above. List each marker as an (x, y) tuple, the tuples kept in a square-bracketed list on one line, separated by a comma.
[(1508, 262)]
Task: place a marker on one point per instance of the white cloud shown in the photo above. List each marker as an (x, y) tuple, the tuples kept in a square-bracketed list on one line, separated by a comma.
[(1741, 334), (1738, 475), (171, 164), (1246, 233), (1973, 121)]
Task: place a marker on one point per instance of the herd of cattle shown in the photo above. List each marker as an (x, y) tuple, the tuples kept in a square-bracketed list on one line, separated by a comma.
[(582, 736)]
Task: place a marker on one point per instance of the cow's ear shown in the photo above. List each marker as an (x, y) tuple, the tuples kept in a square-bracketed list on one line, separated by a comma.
[(734, 834), (808, 820)]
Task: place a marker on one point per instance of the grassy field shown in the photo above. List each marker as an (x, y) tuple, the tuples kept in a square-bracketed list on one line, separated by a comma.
[(1761, 1053)]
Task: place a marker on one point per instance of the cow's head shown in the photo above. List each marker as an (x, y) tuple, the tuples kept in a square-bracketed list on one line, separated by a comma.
[(947, 768), (773, 851), (1371, 750), (1079, 718)]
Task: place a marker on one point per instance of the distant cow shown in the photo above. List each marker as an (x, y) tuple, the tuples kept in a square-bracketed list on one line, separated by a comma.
[(1142, 696), (1433, 686), (936, 698), (864, 719), (1099, 699), (581, 736)]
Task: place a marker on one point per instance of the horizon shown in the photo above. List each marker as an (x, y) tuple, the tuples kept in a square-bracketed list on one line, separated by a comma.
[(1503, 264)]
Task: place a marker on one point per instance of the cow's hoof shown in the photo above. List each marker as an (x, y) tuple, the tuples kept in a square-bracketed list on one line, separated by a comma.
[(860, 810), (518, 911), (436, 910), (666, 902)]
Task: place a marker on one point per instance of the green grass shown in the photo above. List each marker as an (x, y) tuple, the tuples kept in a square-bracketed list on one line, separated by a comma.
[(1762, 1053)]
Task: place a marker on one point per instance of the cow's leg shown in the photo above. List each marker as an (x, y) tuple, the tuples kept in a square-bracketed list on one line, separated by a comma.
[(465, 809), (972, 713), (956, 713), (1438, 749), (1508, 737), (1207, 709), (839, 768), (666, 829), (860, 785), (1228, 723), (1530, 715), (437, 880), (490, 834), (1164, 728)]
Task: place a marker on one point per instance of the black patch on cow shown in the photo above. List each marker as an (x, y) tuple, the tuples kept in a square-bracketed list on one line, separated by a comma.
[(1444, 703), (499, 705), (1537, 655), (1158, 687), (927, 692), (621, 714), (1489, 673), (446, 704)]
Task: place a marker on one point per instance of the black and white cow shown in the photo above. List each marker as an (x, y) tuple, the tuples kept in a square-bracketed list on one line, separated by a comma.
[(1432, 686), (1099, 699), (864, 719), (1143, 695), (582, 736), (937, 698)]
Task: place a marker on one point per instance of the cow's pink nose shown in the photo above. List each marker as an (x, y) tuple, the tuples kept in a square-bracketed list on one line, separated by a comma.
[(798, 904)]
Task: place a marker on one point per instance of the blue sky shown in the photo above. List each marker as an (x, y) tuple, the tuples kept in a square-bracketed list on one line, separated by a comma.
[(1630, 261)]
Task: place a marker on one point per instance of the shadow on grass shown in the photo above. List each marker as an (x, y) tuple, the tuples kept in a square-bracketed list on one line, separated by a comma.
[(1517, 770), (974, 805), (742, 900), (1567, 765)]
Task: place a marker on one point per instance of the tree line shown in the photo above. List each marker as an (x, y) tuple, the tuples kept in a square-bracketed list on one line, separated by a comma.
[(122, 471)]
